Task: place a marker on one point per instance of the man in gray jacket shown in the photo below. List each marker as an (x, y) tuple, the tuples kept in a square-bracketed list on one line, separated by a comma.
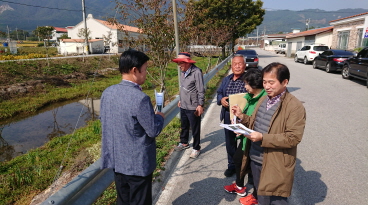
[(129, 128), (191, 102)]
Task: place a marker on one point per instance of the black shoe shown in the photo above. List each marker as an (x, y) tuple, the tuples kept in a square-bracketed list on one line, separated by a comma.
[(229, 172)]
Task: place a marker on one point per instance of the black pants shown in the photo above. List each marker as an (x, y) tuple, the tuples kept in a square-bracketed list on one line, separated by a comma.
[(238, 158), (188, 119), (230, 142), (133, 190), (264, 200)]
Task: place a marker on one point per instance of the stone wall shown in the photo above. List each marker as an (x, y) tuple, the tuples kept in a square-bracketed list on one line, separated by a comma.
[(353, 36)]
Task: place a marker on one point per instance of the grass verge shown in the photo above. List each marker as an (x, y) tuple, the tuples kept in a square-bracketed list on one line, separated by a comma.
[(26, 176)]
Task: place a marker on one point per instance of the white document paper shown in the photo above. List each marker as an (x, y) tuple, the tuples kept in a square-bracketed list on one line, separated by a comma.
[(239, 128)]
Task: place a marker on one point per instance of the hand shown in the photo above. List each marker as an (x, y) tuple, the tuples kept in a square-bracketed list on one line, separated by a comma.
[(200, 110), (160, 113), (237, 111), (255, 136), (224, 102), (179, 104)]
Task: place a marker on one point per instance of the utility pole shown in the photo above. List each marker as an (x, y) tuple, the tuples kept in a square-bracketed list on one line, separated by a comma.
[(8, 33), (16, 31), (85, 27), (307, 21), (176, 35), (257, 36)]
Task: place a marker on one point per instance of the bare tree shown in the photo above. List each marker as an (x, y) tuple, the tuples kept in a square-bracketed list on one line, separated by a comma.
[(84, 34), (155, 20)]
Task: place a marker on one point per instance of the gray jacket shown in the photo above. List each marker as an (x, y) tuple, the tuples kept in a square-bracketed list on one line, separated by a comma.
[(129, 128), (192, 89)]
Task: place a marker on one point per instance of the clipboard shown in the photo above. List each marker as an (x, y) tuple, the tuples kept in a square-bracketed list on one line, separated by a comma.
[(237, 99)]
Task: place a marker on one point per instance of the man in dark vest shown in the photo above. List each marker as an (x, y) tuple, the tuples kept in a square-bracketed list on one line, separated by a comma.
[(278, 121)]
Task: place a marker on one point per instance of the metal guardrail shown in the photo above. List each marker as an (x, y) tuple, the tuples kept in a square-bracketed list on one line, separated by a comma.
[(93, 181)]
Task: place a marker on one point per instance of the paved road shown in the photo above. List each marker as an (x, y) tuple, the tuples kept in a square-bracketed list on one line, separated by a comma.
[(332, 164)]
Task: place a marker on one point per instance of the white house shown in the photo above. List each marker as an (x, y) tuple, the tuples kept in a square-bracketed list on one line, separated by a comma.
[(296, 41), (57, 33), (350, 32), (77, 46), (100, 29)]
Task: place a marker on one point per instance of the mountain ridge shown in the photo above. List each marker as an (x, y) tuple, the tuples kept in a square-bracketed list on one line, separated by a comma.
[(27, 16)]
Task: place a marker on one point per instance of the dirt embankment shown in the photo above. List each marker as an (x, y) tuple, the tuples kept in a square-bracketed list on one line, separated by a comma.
[(36, 86)]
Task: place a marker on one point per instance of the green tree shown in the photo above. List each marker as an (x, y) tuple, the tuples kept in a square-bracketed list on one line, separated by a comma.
[(239, 16), (64, 36), (45, 33)]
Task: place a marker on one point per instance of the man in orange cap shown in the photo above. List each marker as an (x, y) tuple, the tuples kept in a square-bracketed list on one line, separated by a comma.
[(190, 103)]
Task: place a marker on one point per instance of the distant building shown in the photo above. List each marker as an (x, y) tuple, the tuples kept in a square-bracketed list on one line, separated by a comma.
[(350, 32), (99, 29), (57, 33), (296, 41), (77, 46)]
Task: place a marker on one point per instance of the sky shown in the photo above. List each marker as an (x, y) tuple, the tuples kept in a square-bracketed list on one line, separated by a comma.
[(327, 5)]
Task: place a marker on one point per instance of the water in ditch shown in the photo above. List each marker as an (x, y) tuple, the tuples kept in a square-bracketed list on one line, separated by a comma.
[(23, 133)]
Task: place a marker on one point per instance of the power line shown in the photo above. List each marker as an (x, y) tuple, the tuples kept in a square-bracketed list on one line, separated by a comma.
[(44, 7)]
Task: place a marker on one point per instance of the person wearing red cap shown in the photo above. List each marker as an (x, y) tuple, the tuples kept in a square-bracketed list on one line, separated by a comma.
[(190, 103)]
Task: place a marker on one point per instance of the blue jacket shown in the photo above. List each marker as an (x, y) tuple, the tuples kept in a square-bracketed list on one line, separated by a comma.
[(221, 92), (129, 128)]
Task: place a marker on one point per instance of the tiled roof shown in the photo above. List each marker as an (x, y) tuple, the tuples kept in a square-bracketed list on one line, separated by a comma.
[(279, 35), (349, 17), (119, 26), (61, 29), (310, 32), (80, 40)]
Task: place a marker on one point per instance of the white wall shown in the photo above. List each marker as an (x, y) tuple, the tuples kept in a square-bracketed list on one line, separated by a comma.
[(324, 38), (98, 30)]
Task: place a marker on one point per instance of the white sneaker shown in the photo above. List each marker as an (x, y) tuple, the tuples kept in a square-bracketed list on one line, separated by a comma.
[(195, 153)]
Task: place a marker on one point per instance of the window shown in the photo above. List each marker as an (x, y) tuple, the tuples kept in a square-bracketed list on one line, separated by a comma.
[(343, 40), (359, 38)]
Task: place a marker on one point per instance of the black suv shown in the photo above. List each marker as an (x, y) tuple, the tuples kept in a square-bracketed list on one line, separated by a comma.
[(357, 67)]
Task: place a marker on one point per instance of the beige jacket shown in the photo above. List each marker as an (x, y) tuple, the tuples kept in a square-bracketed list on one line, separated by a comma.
[(280, 146)]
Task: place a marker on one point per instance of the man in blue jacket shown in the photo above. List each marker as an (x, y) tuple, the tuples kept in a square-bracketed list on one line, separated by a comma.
[(129, 128), (232, 84)]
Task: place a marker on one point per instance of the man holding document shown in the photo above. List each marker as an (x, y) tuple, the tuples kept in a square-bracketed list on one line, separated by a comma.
[(278, 122), (231, 84)]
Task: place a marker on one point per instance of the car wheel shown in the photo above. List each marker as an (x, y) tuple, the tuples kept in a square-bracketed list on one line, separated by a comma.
[(328, 68), (314, 65), (345, 72), (296, 58), (305, 61)]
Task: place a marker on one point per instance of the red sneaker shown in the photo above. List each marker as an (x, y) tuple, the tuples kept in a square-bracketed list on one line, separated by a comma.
[(248, 200), (234, 189)]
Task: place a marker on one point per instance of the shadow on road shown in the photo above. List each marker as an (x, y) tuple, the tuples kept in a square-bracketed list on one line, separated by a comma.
[(292, 89), (308, 187), (199, 193)]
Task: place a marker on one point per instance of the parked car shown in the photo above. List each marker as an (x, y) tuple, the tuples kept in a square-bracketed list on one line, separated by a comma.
[(309, 52), (281, 48), (250, 57), (332, 60), (357, 66)]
